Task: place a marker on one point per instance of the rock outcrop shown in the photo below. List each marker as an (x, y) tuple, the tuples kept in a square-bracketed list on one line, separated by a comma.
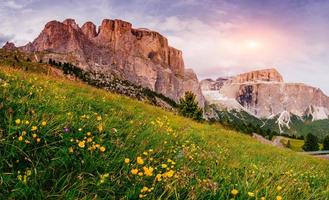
[(9, 46), (140, 56), (265, 75), (264, 94)]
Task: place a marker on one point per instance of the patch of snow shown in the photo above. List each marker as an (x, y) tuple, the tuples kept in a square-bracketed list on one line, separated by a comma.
[(283, 120), (224, 102), (36, 57), (317, 112), (271, 116)]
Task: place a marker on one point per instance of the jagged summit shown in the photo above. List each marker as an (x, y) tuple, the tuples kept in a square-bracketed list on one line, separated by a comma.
[(9, 46)]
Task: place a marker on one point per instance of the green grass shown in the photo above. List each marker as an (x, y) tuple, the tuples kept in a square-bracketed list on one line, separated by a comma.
[(206, 161), (295, 144)]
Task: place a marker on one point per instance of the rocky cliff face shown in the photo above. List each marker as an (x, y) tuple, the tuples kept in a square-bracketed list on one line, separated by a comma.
[(140, 56), (264, 94), (9, 46), (265, 75)]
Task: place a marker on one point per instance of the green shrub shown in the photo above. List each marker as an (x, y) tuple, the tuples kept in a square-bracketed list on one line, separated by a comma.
[(189, 107), (311, 143), (326, 143)]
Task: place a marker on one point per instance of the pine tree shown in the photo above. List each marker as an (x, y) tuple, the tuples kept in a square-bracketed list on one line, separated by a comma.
[(326, 143), (311, 143), (188, 107)]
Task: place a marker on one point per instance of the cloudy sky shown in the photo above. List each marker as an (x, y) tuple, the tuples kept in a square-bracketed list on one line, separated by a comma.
[(218, 37)]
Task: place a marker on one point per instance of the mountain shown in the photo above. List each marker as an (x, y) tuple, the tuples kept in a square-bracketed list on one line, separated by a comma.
[(117, 51), (263, 94)]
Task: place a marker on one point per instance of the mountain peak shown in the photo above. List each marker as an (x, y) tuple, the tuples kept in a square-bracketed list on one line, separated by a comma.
[(263, 75), (9, 46), (71, 22)]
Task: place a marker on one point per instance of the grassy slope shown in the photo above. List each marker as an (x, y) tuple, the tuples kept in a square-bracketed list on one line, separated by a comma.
[(210, 160), (295, 144)]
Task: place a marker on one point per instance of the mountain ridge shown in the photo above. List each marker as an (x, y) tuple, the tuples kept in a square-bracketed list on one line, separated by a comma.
[(263, 94), (116, 49)]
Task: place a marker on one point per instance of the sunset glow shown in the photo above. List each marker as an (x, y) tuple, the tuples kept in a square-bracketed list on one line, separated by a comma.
[(252, 44)]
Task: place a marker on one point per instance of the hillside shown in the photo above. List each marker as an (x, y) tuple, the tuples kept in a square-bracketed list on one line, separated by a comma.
[(62, 139)]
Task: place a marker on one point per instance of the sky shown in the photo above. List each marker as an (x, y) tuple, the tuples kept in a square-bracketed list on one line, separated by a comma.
[(218, 37)]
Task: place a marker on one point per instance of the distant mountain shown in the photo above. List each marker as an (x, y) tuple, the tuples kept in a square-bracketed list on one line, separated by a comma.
[(116, 51), (264, 95)]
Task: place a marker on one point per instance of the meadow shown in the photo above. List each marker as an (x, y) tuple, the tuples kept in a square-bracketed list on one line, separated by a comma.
[(63, 139)]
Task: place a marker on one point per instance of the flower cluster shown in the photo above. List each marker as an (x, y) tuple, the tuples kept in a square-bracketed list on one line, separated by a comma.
[(23, 177), (147, 168), (29, 131)]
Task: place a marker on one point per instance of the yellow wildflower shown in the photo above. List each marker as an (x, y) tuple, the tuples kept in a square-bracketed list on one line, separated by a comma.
[(34, 135), (92, 148), (34, 128), (27, 122), (89, 134), (102, 148), (44, 123), (27, 142), (251, 194), (38, 140), (81, 144), (134, 171), (164, 166), (17, 121), (170, 173), (99, 118), (158, 177), (145, 153), (141, 196), (234, 192), (127, 160), (20, 138), (100, 128), (28, 173), (140, 161), (144, 189), (148, 171), (23, 133), (278, 198), (279, 188), (262, 198), (140, 174), (71, 150), (89, 139)]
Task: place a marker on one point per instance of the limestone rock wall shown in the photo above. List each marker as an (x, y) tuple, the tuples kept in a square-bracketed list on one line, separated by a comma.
[(141, 56)]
